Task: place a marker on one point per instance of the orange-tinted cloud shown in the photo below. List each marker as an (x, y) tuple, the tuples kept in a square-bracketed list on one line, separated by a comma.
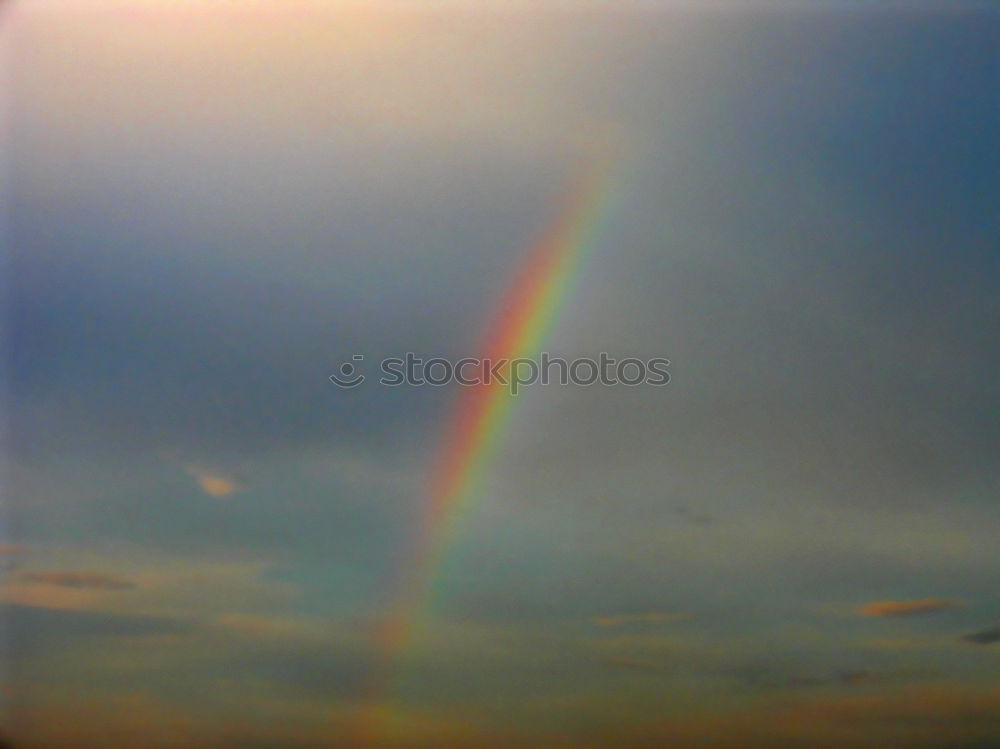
[(215, 483), (912, 607), (69, 590), (858, 678), (56, 719), (646, 618), (925, 717), (87, 580), (933, 717)]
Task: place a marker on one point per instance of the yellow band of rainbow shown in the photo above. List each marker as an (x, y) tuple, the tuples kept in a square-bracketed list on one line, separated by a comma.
[(527, 311)]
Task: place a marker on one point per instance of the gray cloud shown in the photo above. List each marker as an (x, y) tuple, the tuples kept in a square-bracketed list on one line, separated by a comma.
[(34, 629), (635, 664), (987, 636), (75, 579)]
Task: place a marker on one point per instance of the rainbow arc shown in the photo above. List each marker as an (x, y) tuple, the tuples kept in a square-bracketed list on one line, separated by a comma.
[(527, 311)]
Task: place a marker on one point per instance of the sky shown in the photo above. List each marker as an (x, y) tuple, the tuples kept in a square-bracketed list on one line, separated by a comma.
[(209, 206)]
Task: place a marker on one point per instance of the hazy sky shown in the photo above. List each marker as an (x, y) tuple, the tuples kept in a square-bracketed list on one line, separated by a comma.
[(211, 205)]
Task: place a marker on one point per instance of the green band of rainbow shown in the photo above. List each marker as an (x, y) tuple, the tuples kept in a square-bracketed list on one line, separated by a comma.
[(527, 312)]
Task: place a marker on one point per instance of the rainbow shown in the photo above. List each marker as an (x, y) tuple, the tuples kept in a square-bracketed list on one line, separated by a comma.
[(526, 312)]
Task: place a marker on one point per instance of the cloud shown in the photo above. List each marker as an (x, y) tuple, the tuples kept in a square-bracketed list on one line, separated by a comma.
[(33, 628), (902, 643), (775, 676), (85, 580), (8, 552), (912, 607), (633, 664), (788, 417), (110, 719), (273, 627), (647, 618), (987, 636), (934, 716), (215, 483), (857, 678), (125, 718), (202, 588)]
